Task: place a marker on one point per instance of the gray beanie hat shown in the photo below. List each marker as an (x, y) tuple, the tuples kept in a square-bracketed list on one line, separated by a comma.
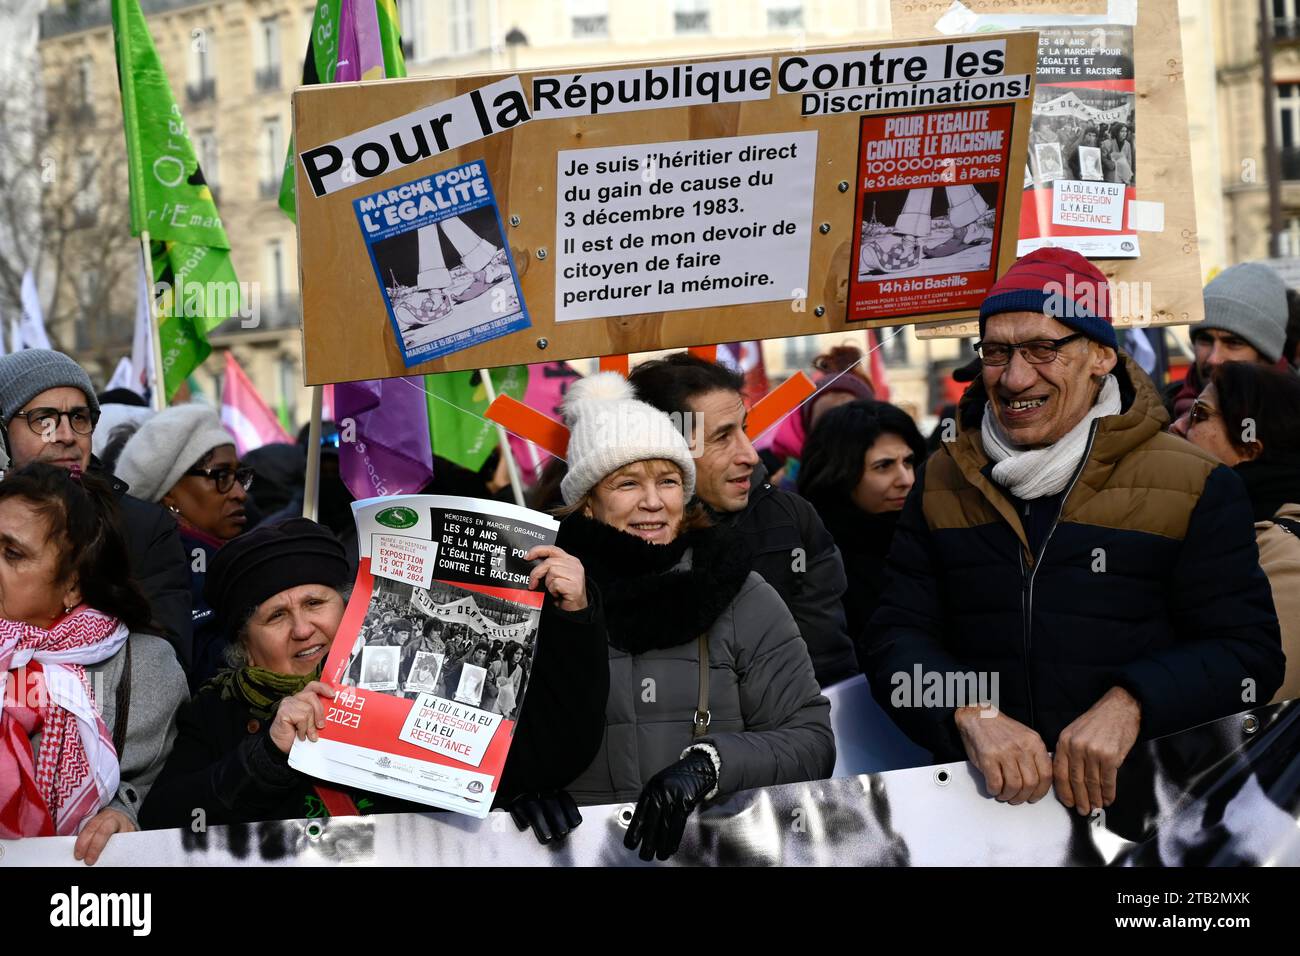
[(609, 428), (1248, 300), (25, 374), (167, 446)]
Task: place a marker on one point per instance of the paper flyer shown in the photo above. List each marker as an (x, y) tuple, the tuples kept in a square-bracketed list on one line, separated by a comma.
[(931, 194), (442, 262), (434, 651), (1082, 152)]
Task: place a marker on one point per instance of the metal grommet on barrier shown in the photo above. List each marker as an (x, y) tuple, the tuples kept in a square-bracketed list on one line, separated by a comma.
[(1250, 724), (819, 311), (942, 777), (314, 830), (844, 185), (624, 815), (541, 253), (824, 228), (514, 220), (542, 343)]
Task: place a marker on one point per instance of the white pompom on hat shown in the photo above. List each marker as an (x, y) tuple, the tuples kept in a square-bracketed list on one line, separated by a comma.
[(609, 428)]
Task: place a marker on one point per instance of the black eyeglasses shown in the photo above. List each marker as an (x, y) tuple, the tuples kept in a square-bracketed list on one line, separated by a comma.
[(1037, 352), (45, 421), (225, 477)]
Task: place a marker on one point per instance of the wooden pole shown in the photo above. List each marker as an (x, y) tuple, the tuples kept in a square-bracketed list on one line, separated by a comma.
[(157, 385), (503, 441), (311, 485)]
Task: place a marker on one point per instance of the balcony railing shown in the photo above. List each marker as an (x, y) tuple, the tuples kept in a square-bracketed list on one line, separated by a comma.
[(201, 91), (268, 78), (1286, 29), (269, 188)]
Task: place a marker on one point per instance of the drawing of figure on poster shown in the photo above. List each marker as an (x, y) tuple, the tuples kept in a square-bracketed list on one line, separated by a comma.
[(928, 231), (440, 277)]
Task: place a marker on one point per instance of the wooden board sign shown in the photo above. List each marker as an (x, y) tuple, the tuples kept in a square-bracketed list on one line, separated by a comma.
[(494, 219), (1162, 284)]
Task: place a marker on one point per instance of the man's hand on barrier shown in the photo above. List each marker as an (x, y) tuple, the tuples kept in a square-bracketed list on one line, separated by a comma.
[(551, 815), (1091, 749), (1011, 756)]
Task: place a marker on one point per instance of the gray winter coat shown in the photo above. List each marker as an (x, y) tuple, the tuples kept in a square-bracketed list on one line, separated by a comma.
[(157, 690), (770, 723)]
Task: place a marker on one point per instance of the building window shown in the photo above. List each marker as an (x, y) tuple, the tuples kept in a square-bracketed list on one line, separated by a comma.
[(410, 14), (461, 22), (1286, 24), (272, 157), (273, 275), (268, 54), (691, 16), (206, 140), (202, 84), (1288, 241), (83, 105), (589, 19), (893, 346), (85, 205), (1287, 115), (784, 15)]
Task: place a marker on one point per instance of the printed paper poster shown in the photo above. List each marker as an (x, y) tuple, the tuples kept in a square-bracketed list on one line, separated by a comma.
[(1082, 132), (931, 193), (421, 714), (442, 262)]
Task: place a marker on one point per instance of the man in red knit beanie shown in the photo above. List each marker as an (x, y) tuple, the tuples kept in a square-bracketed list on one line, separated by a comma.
[(1095, 577)]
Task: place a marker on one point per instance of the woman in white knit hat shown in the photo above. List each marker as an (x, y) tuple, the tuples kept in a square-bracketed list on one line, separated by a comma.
[(711, 687), (184, 459)]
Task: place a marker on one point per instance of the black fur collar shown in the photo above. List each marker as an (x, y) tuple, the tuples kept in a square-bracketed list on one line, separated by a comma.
[(649, 602)]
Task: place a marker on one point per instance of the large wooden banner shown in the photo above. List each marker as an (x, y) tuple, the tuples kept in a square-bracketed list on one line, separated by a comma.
[(1104, 64), (496, 219)]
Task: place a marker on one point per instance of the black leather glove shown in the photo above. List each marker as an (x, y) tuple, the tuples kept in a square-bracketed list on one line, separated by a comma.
[(552, 815), (667, 802)]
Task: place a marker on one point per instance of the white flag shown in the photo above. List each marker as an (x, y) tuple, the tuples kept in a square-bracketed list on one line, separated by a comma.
[(122, 376), (142, 377), (32, 332)]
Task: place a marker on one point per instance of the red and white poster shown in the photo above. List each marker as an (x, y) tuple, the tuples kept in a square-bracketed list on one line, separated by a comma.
[(932, 188), (1081, 170), (433, 654)]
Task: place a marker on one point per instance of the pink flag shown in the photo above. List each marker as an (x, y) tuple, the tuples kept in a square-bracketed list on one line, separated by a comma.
[(244, 413), (547, 383)]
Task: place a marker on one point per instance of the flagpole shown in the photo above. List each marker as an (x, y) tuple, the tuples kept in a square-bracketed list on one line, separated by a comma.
[(158, 391), (503, 441), (311, 485)]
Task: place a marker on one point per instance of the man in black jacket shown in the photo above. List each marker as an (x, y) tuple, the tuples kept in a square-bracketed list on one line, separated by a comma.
[(48, 411), (790, 546)]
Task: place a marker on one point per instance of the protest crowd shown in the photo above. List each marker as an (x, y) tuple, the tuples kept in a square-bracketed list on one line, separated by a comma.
[(1126, 561)]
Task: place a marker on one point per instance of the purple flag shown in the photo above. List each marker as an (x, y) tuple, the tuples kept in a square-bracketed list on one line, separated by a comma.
[(391, 453)]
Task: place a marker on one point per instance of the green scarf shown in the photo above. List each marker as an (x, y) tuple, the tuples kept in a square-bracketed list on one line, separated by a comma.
[(259, 689)]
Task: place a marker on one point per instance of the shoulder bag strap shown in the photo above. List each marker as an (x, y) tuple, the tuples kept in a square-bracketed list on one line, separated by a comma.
[(702, 715)]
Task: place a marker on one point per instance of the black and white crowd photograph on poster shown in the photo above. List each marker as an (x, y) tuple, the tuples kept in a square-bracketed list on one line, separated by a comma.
[(446, 640)]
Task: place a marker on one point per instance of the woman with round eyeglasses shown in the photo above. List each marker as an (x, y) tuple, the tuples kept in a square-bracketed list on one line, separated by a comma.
[(185, 460)]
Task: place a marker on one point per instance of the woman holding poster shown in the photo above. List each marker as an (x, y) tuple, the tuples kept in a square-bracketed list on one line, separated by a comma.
[(711, 688), (278, 593)]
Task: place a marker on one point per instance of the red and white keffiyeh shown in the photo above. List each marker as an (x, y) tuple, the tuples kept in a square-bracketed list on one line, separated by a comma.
[(43, 689)]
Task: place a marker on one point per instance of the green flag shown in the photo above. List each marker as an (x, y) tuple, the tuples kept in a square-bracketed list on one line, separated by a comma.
[(457, 401), (171, 200), (321, 61)]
